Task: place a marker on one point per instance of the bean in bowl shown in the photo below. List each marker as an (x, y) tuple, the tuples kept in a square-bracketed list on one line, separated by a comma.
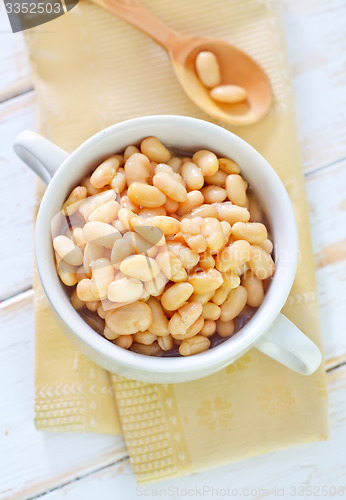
[(164, 253)]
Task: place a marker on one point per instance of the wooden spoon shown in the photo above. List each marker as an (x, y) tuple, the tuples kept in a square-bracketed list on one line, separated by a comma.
[(237, 68)]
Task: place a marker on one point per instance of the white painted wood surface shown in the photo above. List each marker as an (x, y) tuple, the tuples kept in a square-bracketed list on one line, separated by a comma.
[(316, 42), (91, 466), (32, 461), (15, 69), (17, 198), (327, 202), (309, 467)]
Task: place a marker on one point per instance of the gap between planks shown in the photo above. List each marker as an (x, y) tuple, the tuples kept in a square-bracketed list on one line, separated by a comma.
[(58, 487), (17, 89), (19, 299), (317, 170)]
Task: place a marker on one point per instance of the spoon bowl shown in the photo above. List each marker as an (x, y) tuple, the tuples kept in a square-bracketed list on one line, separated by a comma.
[(237, 68)]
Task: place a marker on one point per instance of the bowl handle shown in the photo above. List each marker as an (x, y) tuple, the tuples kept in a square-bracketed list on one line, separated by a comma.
[(41, 155), (288, 345)]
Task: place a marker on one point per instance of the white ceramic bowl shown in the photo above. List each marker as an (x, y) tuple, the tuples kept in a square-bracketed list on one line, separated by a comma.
[(268, 330)]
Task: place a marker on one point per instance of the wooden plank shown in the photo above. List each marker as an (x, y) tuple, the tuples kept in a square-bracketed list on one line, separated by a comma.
[(32, 461), (15, 69), (17, 198), (316, 41), (326, 191), (294, 472)]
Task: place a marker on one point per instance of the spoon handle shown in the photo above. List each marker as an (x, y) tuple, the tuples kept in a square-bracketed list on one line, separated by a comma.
[(139, 16)]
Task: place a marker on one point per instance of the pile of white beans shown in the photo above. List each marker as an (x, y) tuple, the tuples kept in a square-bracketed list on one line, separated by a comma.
[(160, 251), (208, 71)]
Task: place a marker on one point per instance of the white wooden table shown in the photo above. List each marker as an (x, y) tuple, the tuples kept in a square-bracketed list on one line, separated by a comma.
[(86, 467)]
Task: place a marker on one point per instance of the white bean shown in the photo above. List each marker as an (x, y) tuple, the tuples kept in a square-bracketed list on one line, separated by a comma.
[(170, 186), (140, 267), (208, 69), (253, 232), (93, 202), (156, 286), (234, 303), (104, 173), (195, 345), (103, 275), (192, 175), (101, 234), (66, 272), (130, 150), (92, 252), (236, 189), (105, 213), (261, 263), (159, 325), (176, 296), (132, 318), (146, 196), (234, 255), (228, 93), (67, 250), (254, 288), (206, 161), (184, 318), (155, 150), (206, 281), (137, 169), (125, 290)]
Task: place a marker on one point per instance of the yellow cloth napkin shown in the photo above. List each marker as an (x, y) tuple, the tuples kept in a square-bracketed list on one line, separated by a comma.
[(91, 70)]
